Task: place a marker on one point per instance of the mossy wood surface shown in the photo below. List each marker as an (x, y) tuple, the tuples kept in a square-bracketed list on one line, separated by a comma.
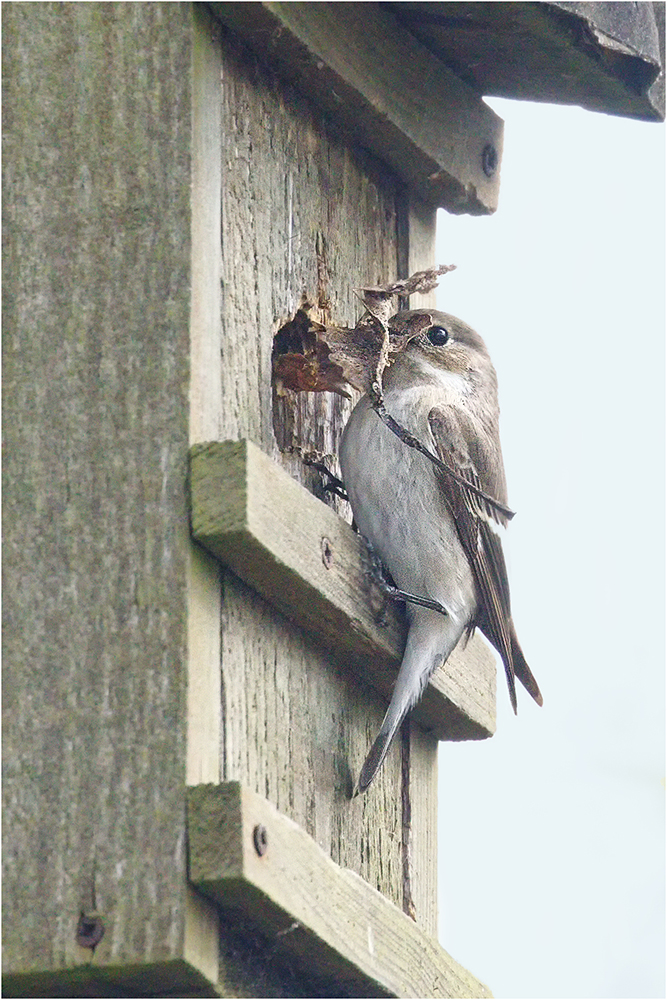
[(96, 215)]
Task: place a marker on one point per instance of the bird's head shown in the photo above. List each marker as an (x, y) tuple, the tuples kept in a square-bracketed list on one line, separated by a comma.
[(432, 343)]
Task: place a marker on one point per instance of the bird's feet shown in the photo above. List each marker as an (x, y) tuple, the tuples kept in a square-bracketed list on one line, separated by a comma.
[(381, 576), (332, 483)]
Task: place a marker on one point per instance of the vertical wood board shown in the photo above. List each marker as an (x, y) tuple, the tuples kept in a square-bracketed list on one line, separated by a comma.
[(204, 705), (96, 213), (303, 214)]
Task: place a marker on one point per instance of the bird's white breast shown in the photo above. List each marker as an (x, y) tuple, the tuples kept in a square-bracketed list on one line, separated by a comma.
[(397, 502)]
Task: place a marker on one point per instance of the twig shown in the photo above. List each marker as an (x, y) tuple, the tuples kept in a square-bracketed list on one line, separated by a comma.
[(377, 402)]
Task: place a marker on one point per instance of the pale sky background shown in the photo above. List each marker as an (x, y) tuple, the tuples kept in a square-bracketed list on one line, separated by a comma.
[(551, 834)]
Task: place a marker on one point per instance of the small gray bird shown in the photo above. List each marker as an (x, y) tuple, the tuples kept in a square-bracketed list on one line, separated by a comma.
[(436, 533)]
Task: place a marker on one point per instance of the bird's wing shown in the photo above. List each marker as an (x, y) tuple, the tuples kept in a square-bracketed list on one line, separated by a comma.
[(462, 449)]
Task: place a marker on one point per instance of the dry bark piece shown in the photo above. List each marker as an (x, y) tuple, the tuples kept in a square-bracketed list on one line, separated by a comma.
[(309, 356), (304, 357), (420, 282)]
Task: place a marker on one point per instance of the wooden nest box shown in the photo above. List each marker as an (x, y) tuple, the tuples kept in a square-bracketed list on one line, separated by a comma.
[(194, 663)]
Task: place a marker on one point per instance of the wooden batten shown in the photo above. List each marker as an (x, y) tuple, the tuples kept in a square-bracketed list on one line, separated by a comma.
[(306, 561), (263, 868), (389, 93)]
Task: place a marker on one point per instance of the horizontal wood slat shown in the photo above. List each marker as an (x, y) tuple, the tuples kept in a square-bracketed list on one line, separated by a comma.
[(384, 87), (303, 558), (260, 865)]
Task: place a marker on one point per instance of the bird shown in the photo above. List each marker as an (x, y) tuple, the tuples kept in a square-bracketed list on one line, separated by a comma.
[(436, 528)]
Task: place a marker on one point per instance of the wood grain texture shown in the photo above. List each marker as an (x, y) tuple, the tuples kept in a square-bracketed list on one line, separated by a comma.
[(204, 705), (386, 89), (329, 225), (418, 245), (97, 132), (422, 830), (298, 735), (303, 558), (323, 915), (296, 725), (168, 203), (206, 294), (306, 214)]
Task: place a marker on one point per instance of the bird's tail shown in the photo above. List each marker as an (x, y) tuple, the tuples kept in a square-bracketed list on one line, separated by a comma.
[(522, 670), (513, 661), (430, 640), (376, 754)]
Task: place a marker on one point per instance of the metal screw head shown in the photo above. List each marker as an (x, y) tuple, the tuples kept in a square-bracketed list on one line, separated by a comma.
[(489, 159), (327, 553), (260, 839), (89, 930)]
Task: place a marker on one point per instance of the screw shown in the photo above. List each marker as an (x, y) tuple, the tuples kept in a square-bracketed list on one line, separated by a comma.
[(260, 839), (489, 160), (327, 553), (89, 930)]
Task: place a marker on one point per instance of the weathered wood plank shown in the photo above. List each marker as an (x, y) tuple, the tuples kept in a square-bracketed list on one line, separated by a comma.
[(420, 784), (176, 978), (206, 389), (147, 665), (421, 826), (297, 729), (534, 51), (303, 558), (204, 699), (97, 134), (418, 244), (325, 916), (303, 213), (296, 723), (388, 90)]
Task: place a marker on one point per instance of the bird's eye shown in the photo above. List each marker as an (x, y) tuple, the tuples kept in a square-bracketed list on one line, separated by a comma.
[(438, 336)]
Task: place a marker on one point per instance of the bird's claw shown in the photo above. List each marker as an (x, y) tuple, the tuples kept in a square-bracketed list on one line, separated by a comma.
[(379, 574), (334, 484)]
